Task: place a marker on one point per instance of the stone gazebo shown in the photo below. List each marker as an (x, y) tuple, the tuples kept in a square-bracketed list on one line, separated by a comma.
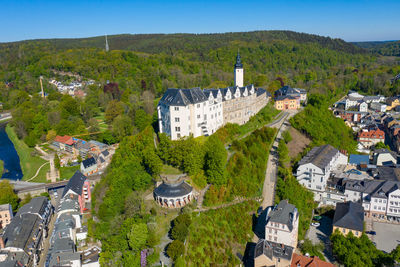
[(173, 193)]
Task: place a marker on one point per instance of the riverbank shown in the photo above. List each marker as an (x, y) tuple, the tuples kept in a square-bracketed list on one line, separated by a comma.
[(29, 164), (1, 167)]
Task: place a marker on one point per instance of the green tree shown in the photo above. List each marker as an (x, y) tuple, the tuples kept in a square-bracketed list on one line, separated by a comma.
[(7, 195), (137, 236), (57, 163), (382, 145), (122, 126), (175, 249), (215, 161), (114, 108)]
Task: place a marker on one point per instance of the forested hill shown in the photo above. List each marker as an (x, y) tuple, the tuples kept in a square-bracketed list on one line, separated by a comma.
[(384, 48), (171, 43)]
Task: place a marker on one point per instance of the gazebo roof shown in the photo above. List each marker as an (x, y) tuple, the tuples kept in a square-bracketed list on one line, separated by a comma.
[(173, 190)]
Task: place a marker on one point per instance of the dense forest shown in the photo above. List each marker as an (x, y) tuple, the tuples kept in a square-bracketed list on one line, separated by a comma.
[(385, 48)]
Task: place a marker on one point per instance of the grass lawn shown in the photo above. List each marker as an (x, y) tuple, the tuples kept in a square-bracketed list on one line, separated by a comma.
[(29, 164), (169, 170), (230, 132), (41, 178), (215, 236), (102, 122), (1, 167), (67, 172)]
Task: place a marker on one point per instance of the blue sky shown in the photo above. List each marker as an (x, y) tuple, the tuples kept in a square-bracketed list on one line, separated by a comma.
[(358, 20)]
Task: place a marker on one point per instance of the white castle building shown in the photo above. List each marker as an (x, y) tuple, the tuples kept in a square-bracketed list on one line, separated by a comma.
[(184, 112)]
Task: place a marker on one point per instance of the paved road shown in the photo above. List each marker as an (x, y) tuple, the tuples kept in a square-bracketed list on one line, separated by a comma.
[(321, 234), (387, 235), (268, 193)]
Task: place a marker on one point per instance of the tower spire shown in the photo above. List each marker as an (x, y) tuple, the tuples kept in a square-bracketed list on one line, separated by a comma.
[(238, 63), (107, 48)]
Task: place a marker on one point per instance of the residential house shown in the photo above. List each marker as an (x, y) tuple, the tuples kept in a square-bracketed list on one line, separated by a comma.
[(349, 217), (89, 166), (374, 99), (78, 185), (70, 259), (6, 215), (289, 91), (392, 102), (184, 112), (379, 107), (384, 157), (350, 116), (287, 102), (351, 102), (267, 253), (379, 198), (308, 261), (39, 206), (90, 257), (315, 168), (362, 106), (282, 223), (371, 137)]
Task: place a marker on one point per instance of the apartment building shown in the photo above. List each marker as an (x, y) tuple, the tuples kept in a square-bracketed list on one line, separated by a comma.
[(281, 227), (282, 224), (23, 239), (315, 168), (371, 137), (6, 215)]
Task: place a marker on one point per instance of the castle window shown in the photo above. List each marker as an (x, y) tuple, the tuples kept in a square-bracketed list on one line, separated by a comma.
[(176, 108), (176, 119), (178, 129)]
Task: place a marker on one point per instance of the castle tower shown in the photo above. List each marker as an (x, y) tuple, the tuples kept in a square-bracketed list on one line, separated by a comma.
[(238, 71)]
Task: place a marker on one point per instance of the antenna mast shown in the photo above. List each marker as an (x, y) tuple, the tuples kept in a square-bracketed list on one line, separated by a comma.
[(41, 86), (107, 48)]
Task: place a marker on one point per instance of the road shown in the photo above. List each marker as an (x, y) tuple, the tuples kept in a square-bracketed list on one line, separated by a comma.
[(268, 193), (46, 241)]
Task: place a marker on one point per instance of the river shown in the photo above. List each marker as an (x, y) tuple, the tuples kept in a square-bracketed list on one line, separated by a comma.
[(8, 154)]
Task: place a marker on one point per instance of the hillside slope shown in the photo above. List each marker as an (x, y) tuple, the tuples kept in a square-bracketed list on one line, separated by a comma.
[(170, 43), (384, 48)]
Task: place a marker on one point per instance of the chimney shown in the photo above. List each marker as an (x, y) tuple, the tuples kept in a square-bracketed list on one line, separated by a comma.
[(1, 242)]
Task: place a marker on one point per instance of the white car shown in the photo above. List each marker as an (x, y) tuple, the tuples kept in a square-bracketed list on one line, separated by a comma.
[(316, 224)]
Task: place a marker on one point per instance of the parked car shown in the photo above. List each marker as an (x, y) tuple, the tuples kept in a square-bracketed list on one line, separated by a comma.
[(371, 232), (316, 224), (317, 218)]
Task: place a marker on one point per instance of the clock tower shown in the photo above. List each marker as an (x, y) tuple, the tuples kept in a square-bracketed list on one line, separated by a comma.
[(238, 71)]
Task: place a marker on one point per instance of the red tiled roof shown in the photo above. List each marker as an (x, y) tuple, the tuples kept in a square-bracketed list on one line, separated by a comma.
[(304, 261), (372, 134), (66, 139)]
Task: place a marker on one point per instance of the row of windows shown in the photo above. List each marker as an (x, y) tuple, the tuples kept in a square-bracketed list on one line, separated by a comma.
[(275, 231), (379, 208), (394, 203), (394, 210), (5, 216), (275, 238), (381, 201)]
